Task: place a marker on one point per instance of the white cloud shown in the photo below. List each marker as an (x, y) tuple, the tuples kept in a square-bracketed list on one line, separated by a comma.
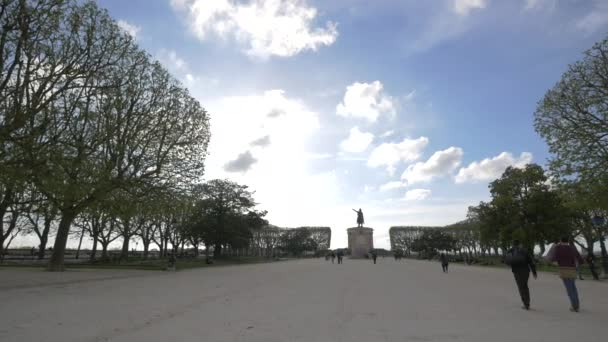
[(439, 164), (242, 163), (391, 154), (490, 169), (595, 20), (357, 141), (464, 7), (444, 23), (265, 27), (417, 194), (365, 100), (262, 141), (540, 4), (282, 178), (131, 29), (393, 185), (387, 134), (311, 155), (290, 133)]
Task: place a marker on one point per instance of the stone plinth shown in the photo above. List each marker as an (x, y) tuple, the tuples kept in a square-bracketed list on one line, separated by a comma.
[(360, 241)]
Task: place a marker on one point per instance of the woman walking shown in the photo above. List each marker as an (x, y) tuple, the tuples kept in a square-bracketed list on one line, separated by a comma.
[(567, 257)]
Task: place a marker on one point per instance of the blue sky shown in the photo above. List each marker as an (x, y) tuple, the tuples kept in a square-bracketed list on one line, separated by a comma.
[(406, 109)]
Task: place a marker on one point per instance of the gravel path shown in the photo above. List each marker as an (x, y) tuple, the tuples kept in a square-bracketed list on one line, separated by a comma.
[(307, 300)]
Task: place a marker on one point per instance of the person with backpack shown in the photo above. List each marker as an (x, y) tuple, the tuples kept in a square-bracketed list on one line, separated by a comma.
[(566, 256), (521, 262)]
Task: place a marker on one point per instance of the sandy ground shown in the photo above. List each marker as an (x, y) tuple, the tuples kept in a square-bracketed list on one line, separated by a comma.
[(307, 300)]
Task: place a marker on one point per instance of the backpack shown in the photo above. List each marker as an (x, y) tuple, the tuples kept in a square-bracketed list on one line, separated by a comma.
[(515, 256)]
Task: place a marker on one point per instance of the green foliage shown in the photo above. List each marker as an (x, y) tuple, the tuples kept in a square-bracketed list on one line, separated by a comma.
[(432, 241), (296, 241), (573, 119), (224, 215), (523, 207)]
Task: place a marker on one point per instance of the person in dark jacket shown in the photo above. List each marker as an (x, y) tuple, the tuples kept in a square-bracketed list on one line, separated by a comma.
[(521, 262), (340, 256), (567, 257), (444, 262)]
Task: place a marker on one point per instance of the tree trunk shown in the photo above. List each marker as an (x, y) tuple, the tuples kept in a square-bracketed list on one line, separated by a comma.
[(589, 241), (42, 246), (93, 250), (104, 250), (80, 243), (44, 238), (124, 255), (63, 231), (146, 244)]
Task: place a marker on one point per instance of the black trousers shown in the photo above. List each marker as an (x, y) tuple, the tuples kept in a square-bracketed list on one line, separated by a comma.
[(444, 267), (521, 278)]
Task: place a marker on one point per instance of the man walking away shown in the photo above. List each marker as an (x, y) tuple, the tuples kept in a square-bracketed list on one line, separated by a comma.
[(444, 262), (340, 256), (374, 256), (521, 263), (333, 256), (566, 256)]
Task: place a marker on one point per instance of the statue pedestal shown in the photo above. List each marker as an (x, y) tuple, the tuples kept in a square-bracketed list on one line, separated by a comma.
[(360, 241)]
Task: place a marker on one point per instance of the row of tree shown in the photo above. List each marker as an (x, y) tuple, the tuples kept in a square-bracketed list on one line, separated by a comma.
[(523, 206), (93, 131), (218, 215)]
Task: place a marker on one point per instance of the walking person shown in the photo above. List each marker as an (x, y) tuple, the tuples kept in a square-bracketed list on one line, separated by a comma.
[(333, 256), (522, 263), (444, 262), (340, 255), (566, 256), (374, 256)]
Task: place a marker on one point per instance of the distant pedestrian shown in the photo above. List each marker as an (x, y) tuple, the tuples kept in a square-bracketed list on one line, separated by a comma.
[(374, 256), (521, 262), (590, 260), (340, 255), (566, 256), (444, 262), (333, 257)]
